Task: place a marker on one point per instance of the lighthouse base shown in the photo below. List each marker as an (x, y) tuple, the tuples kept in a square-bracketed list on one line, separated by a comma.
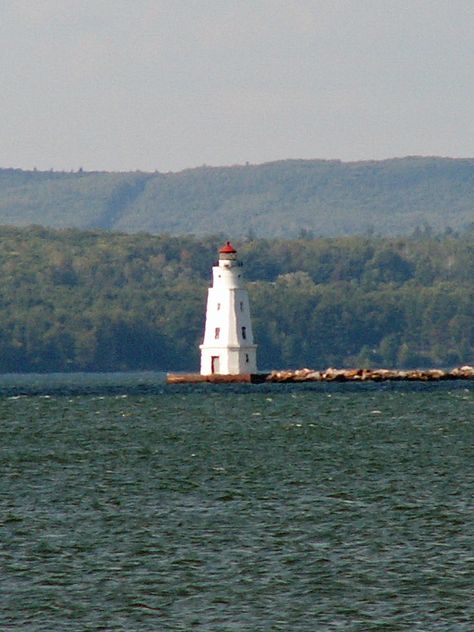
[(216, 378), (235, 360)]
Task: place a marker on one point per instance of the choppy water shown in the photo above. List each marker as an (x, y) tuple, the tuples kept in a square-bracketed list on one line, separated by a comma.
[(337, 507)]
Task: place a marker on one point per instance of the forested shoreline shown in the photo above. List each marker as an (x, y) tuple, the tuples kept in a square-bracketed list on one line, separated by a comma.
[(76, 300)]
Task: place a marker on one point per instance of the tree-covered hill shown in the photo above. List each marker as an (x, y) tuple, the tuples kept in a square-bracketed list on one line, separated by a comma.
[(280, 199), (93, 300)]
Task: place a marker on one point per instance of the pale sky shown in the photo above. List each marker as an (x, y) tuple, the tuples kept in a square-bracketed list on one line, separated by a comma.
[(170, 84)]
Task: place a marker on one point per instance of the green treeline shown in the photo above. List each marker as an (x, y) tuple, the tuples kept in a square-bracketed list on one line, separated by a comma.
[(97, 301)]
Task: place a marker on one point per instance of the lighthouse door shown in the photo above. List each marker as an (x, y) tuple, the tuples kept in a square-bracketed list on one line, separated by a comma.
[(215, 365)]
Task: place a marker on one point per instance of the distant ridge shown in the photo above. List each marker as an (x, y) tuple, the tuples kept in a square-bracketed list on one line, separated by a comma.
[(276, 199)]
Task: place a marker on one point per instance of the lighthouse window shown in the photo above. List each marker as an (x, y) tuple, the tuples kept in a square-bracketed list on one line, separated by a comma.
[(217, 333), (246, 357), (241, 306), (244, 333), (218, 306)]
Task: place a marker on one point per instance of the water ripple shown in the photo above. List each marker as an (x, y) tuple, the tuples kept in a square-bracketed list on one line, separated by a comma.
[(234, 509)]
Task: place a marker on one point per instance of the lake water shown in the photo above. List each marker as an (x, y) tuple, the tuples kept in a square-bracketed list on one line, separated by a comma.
[(130, 505)]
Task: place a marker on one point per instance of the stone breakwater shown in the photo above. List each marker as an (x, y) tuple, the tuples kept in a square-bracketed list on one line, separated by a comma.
[(329, 375), (370, 375)]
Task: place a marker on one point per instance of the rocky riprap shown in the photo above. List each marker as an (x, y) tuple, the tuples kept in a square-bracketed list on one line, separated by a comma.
[(372, 375), (329, 375)]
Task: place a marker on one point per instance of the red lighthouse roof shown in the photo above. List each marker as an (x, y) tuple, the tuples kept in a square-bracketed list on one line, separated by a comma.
[(227, 249)]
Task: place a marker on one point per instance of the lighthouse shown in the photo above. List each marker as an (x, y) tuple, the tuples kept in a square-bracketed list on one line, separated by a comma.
[(228, 347)]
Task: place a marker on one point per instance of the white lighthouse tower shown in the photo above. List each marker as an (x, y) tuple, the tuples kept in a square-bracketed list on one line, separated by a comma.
[(228, 346)]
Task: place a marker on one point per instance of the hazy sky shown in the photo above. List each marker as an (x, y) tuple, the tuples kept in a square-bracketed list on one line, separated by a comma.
[(171, 84)]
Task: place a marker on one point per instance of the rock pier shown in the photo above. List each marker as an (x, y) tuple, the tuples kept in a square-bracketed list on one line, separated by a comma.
[(328, 375), (371, 375)]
